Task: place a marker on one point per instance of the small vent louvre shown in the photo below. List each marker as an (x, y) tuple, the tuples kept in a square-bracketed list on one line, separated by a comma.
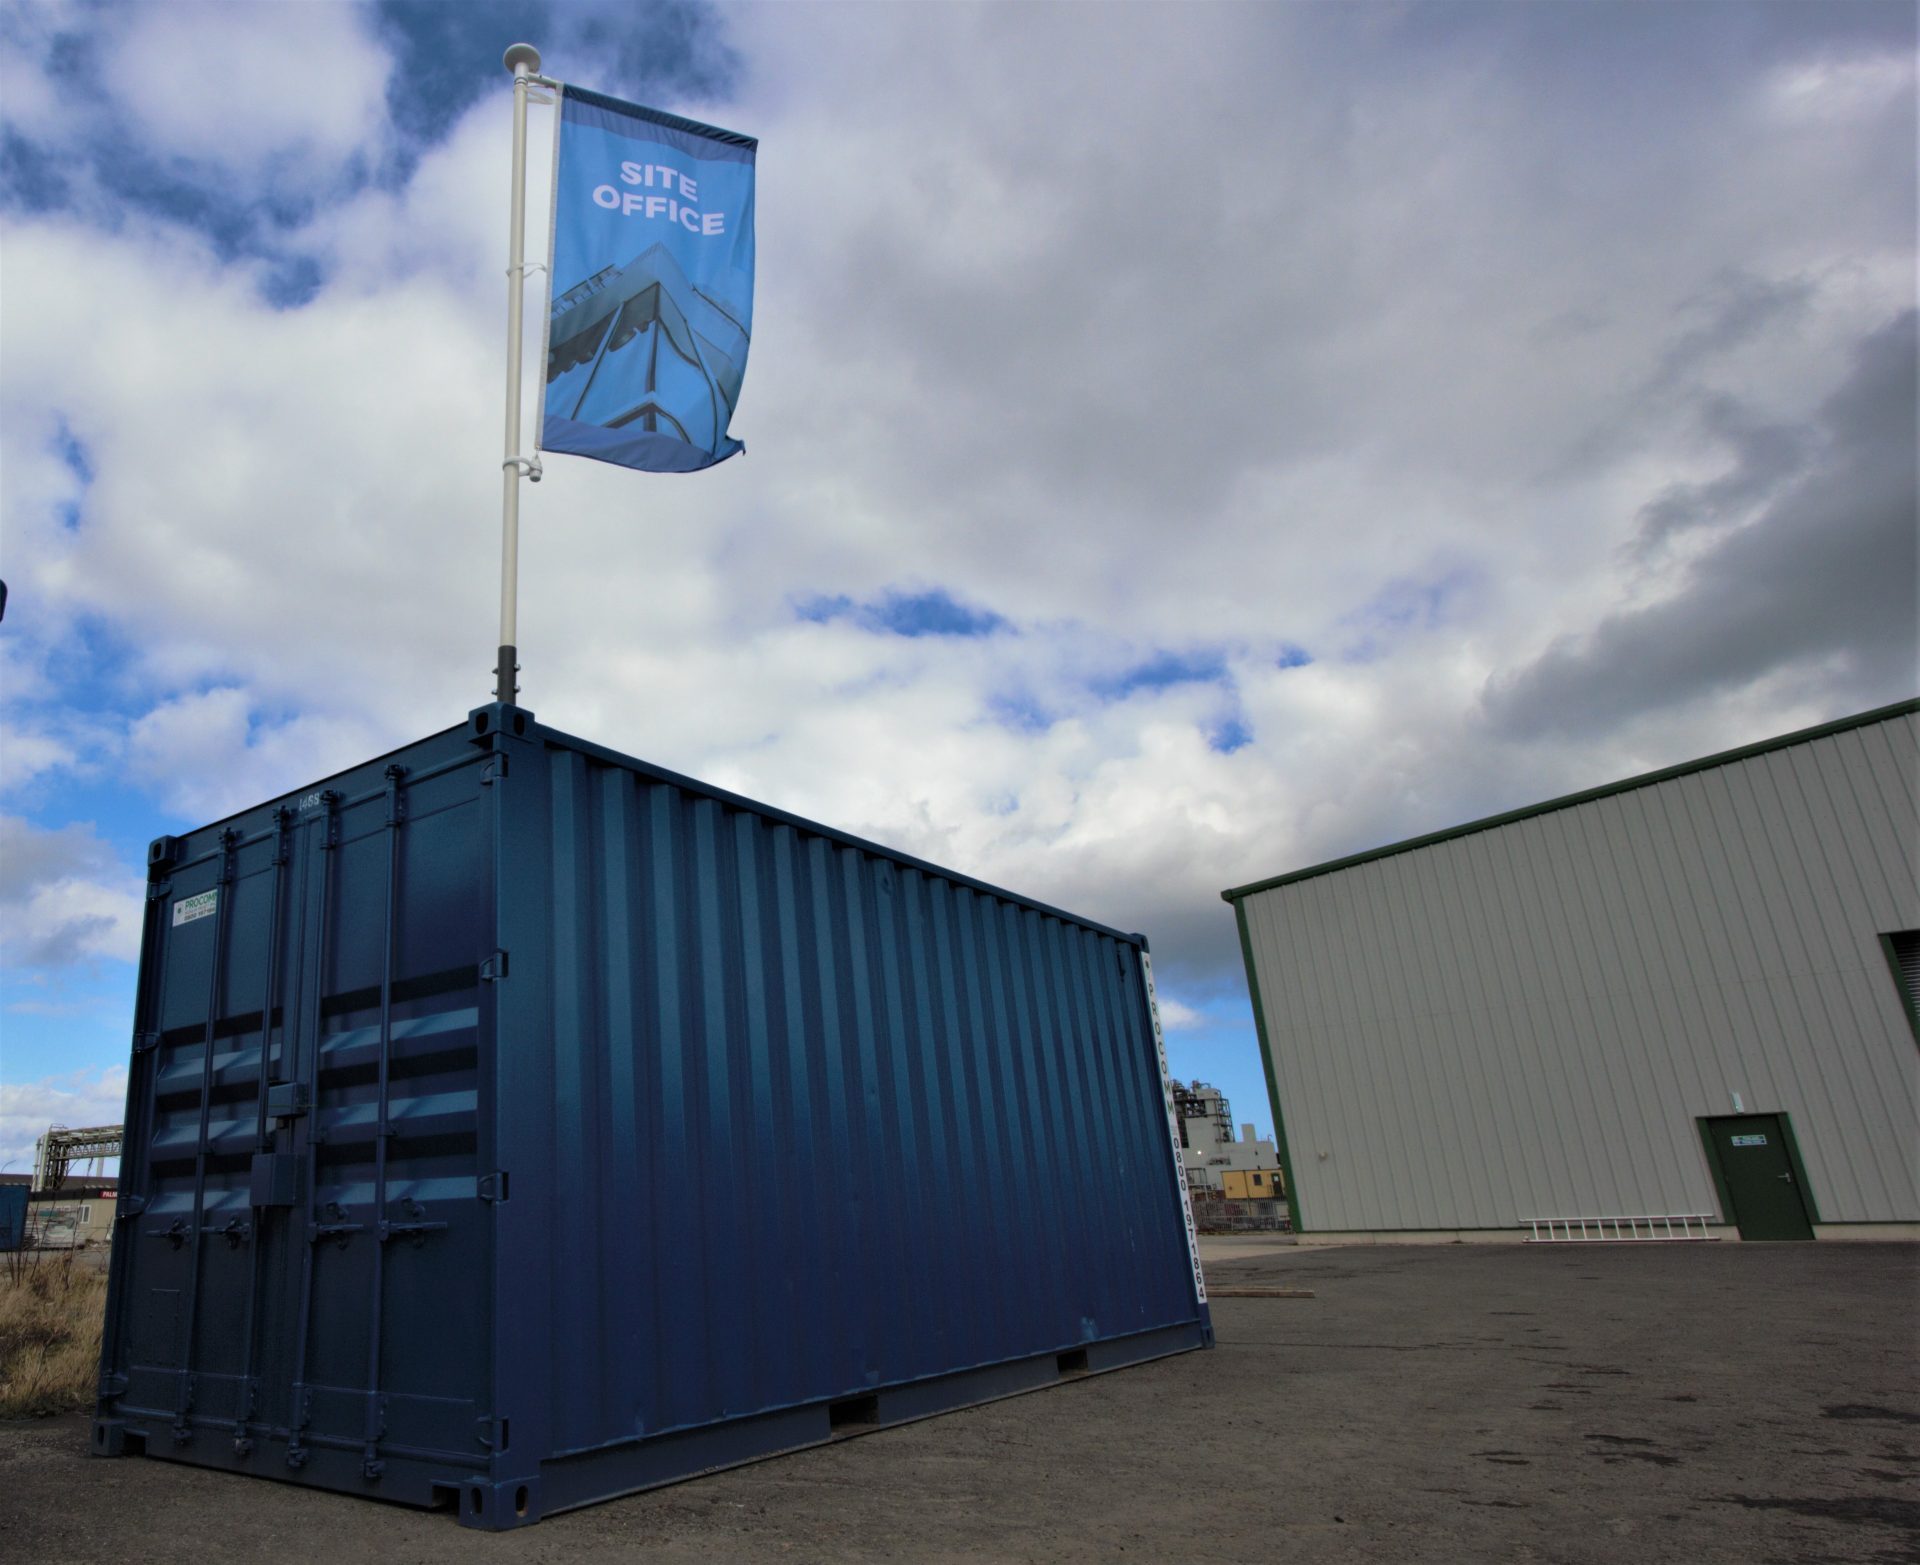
[(1906, 958)]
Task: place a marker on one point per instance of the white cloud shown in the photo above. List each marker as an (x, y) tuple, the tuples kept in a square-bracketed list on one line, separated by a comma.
[(290, 92), (1225, 328), (31, 101), (64, 898), (26, 755), (1828, 88), (210, 755), (1176, 1016)]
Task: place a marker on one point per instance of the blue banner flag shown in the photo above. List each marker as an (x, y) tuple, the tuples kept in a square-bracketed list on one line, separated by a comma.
[(652, 286)]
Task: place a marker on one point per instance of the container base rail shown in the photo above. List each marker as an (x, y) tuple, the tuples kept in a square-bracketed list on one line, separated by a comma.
[(578, 1478)]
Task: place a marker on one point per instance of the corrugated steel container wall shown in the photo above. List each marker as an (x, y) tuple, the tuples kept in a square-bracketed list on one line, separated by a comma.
[(611, 1129), (1527, 1020), (13, 1216)]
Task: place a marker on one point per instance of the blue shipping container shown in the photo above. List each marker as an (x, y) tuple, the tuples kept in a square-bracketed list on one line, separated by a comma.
[(512, 1124), (13, 1217)]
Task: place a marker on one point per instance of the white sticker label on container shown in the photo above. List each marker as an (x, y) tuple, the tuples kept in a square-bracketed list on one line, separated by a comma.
[(187, 909), (1749, 1141)]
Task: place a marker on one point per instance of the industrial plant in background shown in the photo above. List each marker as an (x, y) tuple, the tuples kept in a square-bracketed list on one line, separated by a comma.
[(55, 1153), (57, 1208), (1233, 1185)]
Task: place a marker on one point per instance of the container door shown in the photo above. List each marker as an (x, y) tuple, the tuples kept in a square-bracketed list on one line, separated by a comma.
[(301, 1278), (188, 1253), (1760, 1179), (380, 1311)]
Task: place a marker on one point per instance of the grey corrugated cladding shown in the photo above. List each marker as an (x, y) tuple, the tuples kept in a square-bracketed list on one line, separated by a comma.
[(1524, 1017)]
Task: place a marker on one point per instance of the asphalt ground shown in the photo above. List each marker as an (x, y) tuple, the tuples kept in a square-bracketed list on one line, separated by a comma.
[(1706, 1402)]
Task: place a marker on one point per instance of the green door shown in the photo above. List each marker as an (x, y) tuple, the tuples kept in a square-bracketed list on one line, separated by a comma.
[(1761, 1185)]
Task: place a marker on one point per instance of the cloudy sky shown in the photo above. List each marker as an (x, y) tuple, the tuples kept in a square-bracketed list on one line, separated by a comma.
[(1184, 443)]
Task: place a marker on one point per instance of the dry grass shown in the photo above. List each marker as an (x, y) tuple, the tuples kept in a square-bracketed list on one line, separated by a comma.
[(52, 1306)]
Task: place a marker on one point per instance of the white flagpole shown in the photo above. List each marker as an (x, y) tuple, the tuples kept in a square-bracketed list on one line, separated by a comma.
[(524, 61)]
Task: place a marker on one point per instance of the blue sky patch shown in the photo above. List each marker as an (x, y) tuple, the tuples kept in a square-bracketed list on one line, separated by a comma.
[(820, 608), (78, 461), (1403, 607), (1019, 711), (72, 452), (911, 614), (292, 281), (30, 178), (1162, 670), (1292, 656), (448, 56), (1414, 605), (1229, 735)]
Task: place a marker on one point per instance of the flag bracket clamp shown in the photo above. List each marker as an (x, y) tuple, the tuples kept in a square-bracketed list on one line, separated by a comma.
[(526, 467)]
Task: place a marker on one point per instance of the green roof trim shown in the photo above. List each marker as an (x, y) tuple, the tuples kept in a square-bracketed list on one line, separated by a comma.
[(1568, 801)]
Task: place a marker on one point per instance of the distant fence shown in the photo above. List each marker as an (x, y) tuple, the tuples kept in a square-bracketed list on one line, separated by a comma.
[(1659, 1227), (1217, 1215), (58, 1228)]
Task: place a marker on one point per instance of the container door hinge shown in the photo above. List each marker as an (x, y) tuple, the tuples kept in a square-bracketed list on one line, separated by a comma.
[(492, 1187), (371, 1467), (245, 1407), (396, 800), (494, 968), (302, 1416), (330, 819), (145, 1042), (183, 1415), (485, 1433), (112, 1386), (159, 890), (131, 1206), (494, 771)]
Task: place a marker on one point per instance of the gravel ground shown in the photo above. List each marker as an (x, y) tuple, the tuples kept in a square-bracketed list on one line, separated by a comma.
[(1737, 1402)]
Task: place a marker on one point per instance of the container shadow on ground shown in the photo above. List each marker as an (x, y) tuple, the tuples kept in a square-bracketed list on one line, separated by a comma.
[(1746, 1403)]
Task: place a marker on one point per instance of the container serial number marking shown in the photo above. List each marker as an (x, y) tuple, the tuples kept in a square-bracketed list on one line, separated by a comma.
[(1749, 1141)]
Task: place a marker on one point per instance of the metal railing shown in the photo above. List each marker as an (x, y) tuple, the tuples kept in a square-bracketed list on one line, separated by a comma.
[(1659, 1227), (1217, 1214)]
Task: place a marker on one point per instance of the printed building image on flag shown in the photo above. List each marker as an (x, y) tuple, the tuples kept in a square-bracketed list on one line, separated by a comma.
[(653, 286)]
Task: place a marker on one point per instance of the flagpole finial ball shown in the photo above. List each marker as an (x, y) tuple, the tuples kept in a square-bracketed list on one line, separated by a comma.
[(523, 54)]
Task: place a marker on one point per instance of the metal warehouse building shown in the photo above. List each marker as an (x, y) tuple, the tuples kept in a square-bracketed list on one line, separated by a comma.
[(1689, 995)]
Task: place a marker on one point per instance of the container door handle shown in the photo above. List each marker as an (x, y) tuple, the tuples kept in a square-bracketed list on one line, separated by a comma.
[(236, 1233)]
